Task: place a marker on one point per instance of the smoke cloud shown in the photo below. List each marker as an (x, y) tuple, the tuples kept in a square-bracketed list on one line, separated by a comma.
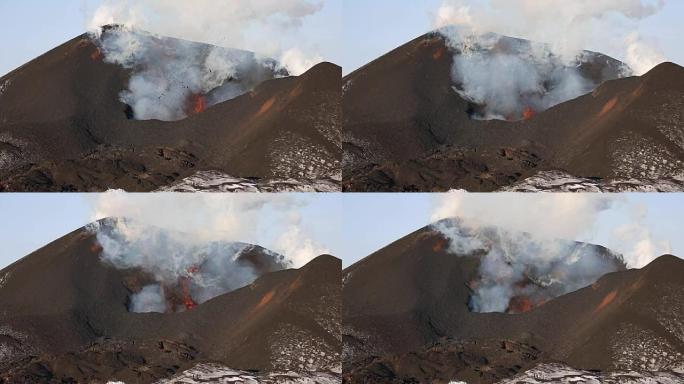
[(193, 245), (512, 80), (174, 78), (527, 248), (518, 271), (569, 27)]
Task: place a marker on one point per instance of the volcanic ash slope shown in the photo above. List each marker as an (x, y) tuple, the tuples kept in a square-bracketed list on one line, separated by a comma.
[(67, 317), (408, 316), (88, 117), (424, 118)]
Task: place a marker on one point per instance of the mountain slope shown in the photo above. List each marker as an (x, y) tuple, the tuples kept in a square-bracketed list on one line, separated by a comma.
[(406, 318), (65, 317), (64, 127), (405, 128)]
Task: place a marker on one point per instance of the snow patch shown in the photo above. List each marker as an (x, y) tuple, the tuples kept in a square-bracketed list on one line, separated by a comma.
[(214, 181), (215, 373), (559, 181), (559, 373)]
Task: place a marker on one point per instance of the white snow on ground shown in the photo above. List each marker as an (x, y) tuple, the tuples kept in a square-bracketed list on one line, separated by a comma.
[(215, 373), (213, 181), (559, 373), (558, 181)]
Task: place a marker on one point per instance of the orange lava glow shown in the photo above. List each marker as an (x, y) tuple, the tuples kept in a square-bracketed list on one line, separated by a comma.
[(96, 55), (266, 106), (606, 301), (608, 107), (197, 103), (519, 305), (95, 248), (438, 246), (188, 302), (528, 113), (438, 53)]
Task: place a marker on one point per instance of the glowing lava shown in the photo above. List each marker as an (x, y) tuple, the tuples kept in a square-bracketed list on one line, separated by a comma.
[(96, 55), (528, 113), (197, 103), (519, 304), (95, 248), (438, 53), (184, 283), (438, 246)]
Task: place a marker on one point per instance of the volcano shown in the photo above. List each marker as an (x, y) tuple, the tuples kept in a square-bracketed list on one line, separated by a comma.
[(66, 318), (406, 318), (411, 124), (69, 122)]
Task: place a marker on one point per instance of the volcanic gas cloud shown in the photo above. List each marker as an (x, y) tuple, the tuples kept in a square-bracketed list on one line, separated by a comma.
[(518, 272), (172, 78), (186, 272), (512, 79)]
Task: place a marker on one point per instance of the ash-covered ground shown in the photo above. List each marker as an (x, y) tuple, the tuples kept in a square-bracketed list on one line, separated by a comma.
[(93, 318), (125, 109), (486, 112), (452, 304)]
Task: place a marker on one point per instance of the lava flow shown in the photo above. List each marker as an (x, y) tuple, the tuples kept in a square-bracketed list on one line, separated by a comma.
[(528, 113), (520, 304), (197, 103)]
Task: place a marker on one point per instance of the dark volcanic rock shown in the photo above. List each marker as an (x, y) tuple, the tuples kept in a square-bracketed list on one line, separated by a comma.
[(64, 319), (406, 320), (406, 129), (64, 128)]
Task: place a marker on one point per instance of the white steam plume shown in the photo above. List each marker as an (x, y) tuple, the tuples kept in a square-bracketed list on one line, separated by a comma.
[(569, 26), (509, 79), (172, 78), (531, 238), (195, 243), (549, 216), (640, 245), (149, 299), (168, 75), (519, 271)]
